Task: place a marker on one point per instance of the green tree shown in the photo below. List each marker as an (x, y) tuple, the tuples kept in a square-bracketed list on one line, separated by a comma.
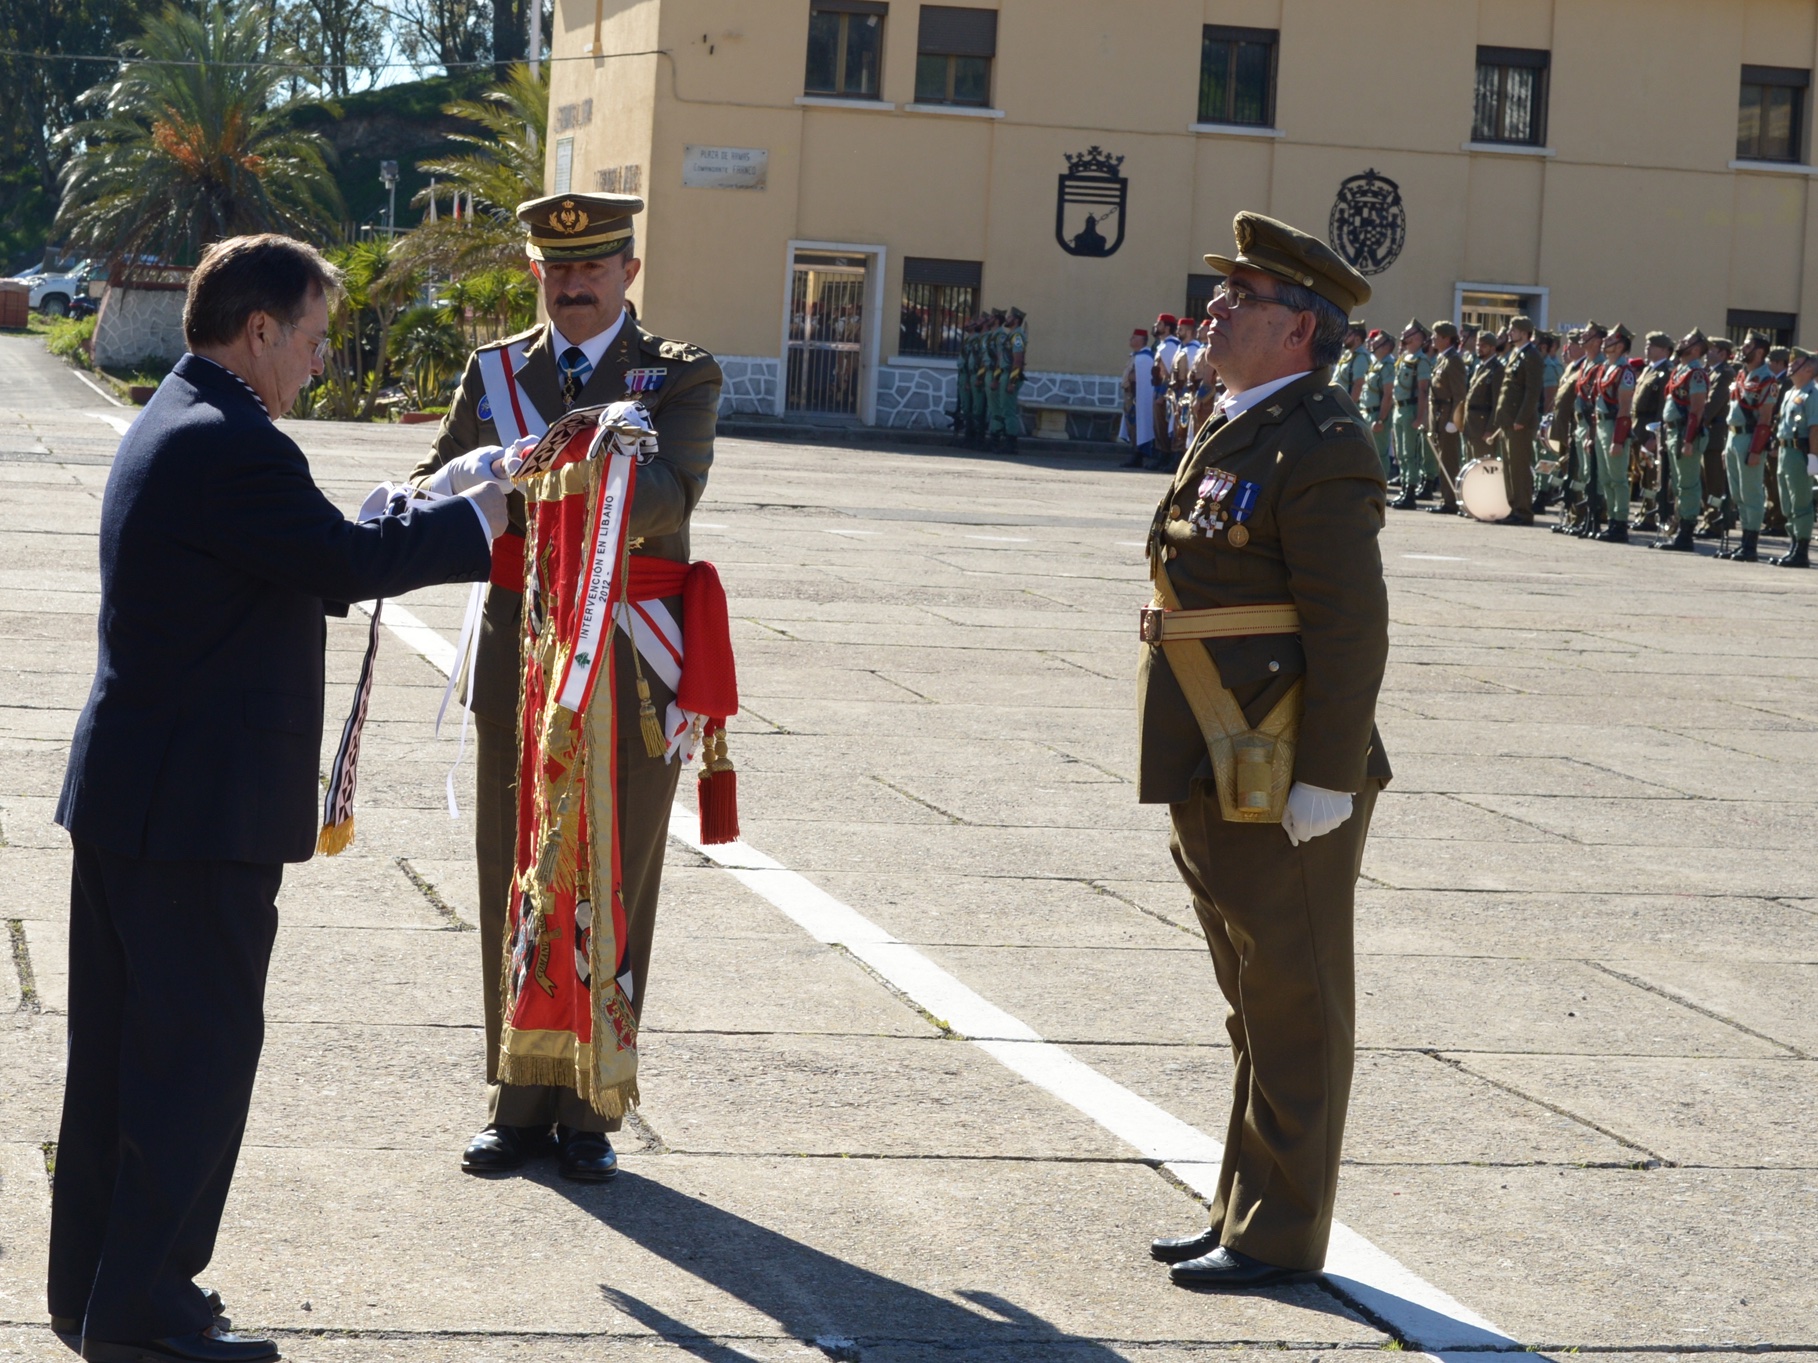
[(430, 346), (502, 168), (192, 144), (378, 284)]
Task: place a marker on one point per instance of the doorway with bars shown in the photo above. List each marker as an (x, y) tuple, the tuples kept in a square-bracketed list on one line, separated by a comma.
[(830, 334)]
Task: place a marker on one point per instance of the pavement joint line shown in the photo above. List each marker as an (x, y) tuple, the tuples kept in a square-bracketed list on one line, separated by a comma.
[(1512, 818), (456, 923), (946, 814), (1415, 1311), (1699, 1008), (1156, 914), (1654, 1159), (29, 1002)]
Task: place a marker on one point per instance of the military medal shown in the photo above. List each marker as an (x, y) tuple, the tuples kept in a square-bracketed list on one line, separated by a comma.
[(1241, 510), (645, 380), (1207, 516)]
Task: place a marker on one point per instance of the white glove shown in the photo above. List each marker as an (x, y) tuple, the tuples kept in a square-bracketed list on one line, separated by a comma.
[(488, 499), (472, 469), (1313, 811), (1451, 428)]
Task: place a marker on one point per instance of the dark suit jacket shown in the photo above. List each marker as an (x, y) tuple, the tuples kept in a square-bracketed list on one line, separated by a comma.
[(685, 411), (203, 730), (1313, 543)]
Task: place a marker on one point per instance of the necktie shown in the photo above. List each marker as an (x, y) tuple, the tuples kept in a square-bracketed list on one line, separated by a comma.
[(574, 369)]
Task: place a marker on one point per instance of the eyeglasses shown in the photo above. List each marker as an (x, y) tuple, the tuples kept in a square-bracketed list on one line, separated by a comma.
[(321, 350), (1233, 298)]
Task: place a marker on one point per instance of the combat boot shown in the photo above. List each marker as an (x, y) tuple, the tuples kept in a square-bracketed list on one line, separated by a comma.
[(1681, 541), (1746, 552), (1616, 532), (1796, 556)]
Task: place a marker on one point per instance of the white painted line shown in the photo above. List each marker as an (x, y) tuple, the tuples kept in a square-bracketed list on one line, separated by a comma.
[(998, 539), (120, 424), (706, 525), (97, 387), (420, 637), (1416, 1310), (1438, 558), (1131, 544), (855, 532)]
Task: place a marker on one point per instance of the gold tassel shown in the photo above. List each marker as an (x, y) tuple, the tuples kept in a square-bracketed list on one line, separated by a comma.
[(654, 746), (335, 838)]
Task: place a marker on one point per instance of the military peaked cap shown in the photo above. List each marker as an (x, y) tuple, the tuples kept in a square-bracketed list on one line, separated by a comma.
[(1619, 332), (578, 226), (1695, 337), (1801, 356), (1288, 253), (1414, 324), (1754, 339)]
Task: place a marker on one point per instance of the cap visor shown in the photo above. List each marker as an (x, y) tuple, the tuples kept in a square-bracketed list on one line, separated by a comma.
[(1223, 264)]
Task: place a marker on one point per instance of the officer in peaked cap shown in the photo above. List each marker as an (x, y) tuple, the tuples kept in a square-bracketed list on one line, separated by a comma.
[(583, 251), (1270, 620)]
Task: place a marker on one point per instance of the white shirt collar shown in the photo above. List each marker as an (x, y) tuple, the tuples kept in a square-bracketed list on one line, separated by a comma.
[(594, 348), (1235, 405)]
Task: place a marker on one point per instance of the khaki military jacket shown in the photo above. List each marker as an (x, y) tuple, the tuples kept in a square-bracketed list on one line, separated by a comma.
[(1565, 406), (1446, 392), (685, 411), (1312, 541), (1523, 382), (1480, 401), (1649, 403)]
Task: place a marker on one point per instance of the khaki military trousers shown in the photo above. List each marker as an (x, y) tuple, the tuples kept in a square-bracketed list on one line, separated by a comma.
[(1518, 471), (646, 791), (1278, 920), (1446, 449)]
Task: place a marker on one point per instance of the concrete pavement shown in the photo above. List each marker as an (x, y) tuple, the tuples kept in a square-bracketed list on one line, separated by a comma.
[(1589, 939)]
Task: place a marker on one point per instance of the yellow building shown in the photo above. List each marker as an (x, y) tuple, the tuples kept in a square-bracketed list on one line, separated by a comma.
[(831, 182)]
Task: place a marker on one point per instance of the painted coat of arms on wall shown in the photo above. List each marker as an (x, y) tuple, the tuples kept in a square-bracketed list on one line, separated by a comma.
[(1089, 211), (1369, 224)]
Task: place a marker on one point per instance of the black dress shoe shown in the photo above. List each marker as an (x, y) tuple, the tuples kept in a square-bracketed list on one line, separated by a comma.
[(1227, 1270), (1177, 1249), (585, 1156), (69, 1328), (1443, 509), (206, 1346), (1516, 518), (501, 1149)]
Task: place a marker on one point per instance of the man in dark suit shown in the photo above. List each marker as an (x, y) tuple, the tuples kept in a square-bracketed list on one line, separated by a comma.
[(192, 778), (1256, 709)]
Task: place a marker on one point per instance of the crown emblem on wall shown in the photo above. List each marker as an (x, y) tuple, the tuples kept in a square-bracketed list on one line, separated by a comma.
[(568, 219), (1094, 160)]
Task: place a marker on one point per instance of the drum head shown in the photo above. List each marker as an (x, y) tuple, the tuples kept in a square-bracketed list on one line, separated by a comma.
[(1480, 489)]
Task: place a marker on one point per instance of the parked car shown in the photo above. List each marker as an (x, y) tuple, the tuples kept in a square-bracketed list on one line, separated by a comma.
[(55, 294)]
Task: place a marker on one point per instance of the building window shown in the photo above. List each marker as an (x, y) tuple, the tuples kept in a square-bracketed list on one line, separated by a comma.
[(620, 179), (1778, 327), (564, 166), (845, 48), (939, 298), (953, 55), (1237, 76), (1771, 116), (1511, 96), (1200, 288)]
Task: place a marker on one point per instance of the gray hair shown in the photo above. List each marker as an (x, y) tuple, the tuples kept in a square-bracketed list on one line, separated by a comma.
[(1329, 322)]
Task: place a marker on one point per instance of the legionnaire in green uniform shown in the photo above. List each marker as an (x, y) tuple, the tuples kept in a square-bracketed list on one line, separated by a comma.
[(1413, 371), (1015, 346), (1375, 396), (1752, 394), (1719, 507), (1353, 360), (1552, 367), (996, 359), (1615, 399), (1772, 521), (1646, 449), (1681, 439), (1445, 404), (1256, 706), (591, 351), (965, 395), (1587, 478), (1480, 397), (1793, 434), (1518, 418)]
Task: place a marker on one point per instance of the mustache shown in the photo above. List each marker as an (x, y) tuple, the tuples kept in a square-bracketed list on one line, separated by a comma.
[(575, 300)]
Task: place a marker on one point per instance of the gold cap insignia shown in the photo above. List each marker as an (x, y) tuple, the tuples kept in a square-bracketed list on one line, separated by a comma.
[(568, 219)]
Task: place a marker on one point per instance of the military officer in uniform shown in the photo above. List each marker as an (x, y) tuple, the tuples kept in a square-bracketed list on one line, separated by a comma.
[(1681, 434), (1413, 371), (1006, 416), (1615, 396), (1561, 435), (1518, 399), (1752, 395), (1793, 433), (591, 351), (1353, 360), (1772, 521), (1271, 609), (1480, 398), (1587, 477), (966, 396), (1445, 404), (1718, 512), (1645, 412), (1375, 395)]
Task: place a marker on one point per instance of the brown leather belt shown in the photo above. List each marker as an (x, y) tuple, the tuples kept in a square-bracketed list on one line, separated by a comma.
[(1220, 622)]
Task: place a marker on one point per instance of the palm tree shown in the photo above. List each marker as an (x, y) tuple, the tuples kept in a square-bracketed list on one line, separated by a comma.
[(429, 343), (377, 284), (193, 144), (504, 167)]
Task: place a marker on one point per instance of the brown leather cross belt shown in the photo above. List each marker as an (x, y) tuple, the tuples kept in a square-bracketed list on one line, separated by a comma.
[(1220, 622)]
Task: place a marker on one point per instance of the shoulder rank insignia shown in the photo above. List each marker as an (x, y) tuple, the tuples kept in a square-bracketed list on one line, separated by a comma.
[(645, 380)]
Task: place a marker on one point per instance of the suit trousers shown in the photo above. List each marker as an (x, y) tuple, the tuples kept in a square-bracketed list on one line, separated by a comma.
[(1279, 922), (167, 968), (1518, 471), (646, 792), (1446, 449)]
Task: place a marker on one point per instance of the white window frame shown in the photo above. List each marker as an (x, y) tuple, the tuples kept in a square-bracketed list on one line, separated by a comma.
[(1539, 291), (875, 266)]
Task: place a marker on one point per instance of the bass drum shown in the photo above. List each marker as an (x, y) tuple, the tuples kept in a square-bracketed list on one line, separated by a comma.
[(1480, 489)]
